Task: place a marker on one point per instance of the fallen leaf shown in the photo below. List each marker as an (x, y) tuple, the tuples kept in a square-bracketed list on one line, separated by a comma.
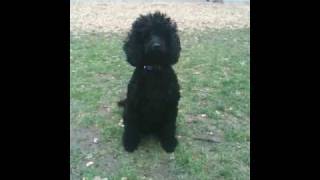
[(89, 163), (121, 123), (203, 115), (97, 178), (172, 156)]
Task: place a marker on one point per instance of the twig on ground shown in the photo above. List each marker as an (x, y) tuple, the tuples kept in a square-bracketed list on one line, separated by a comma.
[(206, 139)]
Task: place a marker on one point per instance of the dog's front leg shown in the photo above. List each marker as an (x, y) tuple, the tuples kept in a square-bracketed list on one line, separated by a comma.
[(131, 136), (167, 132), (167, 137)]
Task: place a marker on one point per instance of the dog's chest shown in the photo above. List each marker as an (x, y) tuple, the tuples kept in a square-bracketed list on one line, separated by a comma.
[(155, 91), (155, 95)]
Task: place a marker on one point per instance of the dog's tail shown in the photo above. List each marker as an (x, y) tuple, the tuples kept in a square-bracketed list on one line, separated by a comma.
[(122, 103)]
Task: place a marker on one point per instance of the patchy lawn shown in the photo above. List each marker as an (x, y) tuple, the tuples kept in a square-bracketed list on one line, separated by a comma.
[(213, 72)]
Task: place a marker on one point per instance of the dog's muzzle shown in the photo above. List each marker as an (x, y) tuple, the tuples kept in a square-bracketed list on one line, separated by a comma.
[(155, 46)]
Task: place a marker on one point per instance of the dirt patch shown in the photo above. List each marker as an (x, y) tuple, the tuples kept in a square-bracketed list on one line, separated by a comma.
[(196, 118), (86, 147), (82, 138), (162, 171), (208, 131), (104, 109), (118, 17)]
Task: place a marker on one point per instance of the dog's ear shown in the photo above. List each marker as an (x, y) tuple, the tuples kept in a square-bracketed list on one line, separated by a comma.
[(173, 26), (132, 50), (175, 48)]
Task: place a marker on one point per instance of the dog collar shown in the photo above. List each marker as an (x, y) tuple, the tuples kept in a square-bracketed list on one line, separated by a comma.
[(150, 68)]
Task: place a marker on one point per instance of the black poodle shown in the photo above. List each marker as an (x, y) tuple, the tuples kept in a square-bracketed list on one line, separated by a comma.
[(151, 105)]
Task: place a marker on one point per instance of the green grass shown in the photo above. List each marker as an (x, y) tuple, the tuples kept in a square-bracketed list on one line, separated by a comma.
[(213, 72)]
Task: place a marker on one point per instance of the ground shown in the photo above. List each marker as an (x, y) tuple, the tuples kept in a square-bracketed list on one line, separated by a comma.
[(214, 114)]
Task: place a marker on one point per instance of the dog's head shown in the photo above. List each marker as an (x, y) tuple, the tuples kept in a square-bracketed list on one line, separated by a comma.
[(153, 40)]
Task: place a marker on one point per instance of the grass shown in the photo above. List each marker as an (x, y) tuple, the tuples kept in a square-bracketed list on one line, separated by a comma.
[(213, 72)]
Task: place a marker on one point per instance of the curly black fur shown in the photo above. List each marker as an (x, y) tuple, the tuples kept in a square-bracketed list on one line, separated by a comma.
[(151, 105)]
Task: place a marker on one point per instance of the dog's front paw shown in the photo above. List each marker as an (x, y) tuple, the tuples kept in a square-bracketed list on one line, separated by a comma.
[(169, 144), (130, 143)]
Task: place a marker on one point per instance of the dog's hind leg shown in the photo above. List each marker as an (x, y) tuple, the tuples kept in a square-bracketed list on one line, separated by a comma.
[(131, 138), (122, 102)]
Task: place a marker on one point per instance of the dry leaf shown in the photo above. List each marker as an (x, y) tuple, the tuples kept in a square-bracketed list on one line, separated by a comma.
[(121, 123), (89, 163), (172, 156), (97, 178), (203, 115)]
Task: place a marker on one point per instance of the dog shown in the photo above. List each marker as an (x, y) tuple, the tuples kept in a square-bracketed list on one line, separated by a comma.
[(153, 93)]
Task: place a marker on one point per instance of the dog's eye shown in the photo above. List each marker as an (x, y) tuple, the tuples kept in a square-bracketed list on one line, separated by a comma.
[(145, 34)]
